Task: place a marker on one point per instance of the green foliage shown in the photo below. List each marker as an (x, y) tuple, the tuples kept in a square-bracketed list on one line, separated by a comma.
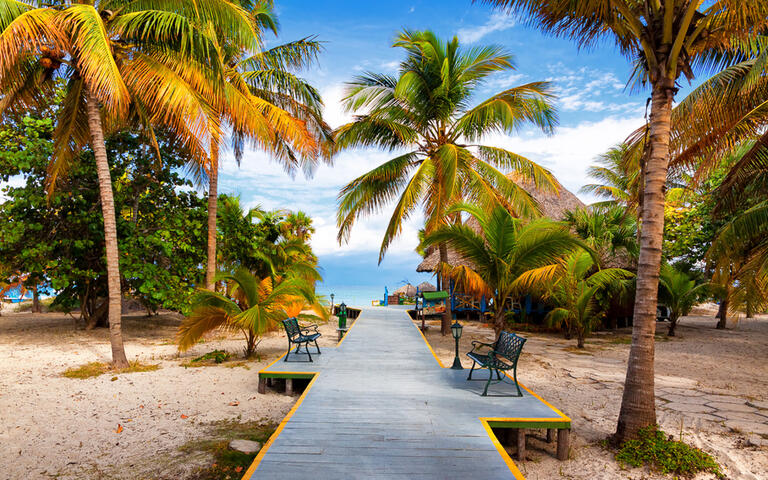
[(658, 451), (60, 240), (426, 111), (503, 252), (218, 356)]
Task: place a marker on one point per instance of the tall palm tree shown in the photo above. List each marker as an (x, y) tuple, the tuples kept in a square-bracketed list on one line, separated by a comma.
[(426, 116), (267, 104), (665, 39), (501, 253), (298, 225), (573, 284), (609, 230), (120, 63), (680, 292)]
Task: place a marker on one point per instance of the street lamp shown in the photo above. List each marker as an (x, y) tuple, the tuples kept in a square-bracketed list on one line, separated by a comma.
[(456, 329), (332, 304)]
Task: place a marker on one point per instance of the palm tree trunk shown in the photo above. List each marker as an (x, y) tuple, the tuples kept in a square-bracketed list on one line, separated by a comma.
[(445, 324), (722, 314), (638, 407), (110, 232), (580, 338), (672, 324), (35, 299), (213, 198)]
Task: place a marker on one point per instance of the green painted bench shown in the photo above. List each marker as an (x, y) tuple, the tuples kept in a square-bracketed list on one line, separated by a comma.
[(499, 356), (300, 335)]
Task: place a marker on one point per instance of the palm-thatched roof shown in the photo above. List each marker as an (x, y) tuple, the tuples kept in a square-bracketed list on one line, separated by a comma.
[(406, 290), (552, 205), (427, 287)]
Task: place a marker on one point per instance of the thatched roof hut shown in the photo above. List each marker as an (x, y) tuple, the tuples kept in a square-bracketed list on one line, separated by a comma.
[(427, 287), (552, 205), (406, 290)]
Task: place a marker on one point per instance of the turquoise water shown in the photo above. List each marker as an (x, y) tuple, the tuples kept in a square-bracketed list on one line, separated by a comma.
[(352, 295)]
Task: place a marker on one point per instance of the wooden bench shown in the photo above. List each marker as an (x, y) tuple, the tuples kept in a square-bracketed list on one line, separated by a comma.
[(499, 356), (300, 335)]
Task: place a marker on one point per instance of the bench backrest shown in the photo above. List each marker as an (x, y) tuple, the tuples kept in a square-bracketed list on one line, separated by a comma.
[(510, 345), (292, 328)]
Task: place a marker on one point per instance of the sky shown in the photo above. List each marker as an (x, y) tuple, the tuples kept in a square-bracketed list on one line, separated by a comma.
[(596, 111)]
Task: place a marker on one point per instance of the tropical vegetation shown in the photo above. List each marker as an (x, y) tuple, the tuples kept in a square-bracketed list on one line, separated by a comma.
[(428, 112), (503, 253)]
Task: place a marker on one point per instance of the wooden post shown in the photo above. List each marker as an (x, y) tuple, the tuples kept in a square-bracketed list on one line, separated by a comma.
[(262, 385), (520, 443), (563, 443), (550, 435), (289, 386)]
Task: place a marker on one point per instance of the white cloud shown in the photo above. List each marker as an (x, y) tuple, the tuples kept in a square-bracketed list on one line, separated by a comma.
[(333, 112), (497, 22), (571, 150)]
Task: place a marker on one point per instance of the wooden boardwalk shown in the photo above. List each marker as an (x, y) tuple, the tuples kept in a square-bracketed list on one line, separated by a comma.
[(380, 406)]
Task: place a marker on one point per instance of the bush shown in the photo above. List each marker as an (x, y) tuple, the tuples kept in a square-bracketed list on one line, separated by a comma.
[(654, 448)]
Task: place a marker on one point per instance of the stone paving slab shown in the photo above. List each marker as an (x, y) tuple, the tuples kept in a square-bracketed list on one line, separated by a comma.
[(380, 406)]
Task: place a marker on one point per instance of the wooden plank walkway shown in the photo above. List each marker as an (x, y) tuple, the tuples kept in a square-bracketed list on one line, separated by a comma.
[(380, 406)]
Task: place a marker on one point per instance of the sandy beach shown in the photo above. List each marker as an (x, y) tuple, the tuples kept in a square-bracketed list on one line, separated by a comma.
[(711, 386)]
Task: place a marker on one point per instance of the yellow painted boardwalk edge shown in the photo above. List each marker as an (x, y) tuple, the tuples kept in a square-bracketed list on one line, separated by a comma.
[(504, 455), (256, 461)]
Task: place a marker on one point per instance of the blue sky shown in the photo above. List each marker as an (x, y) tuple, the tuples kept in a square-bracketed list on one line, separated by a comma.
[(595, 112)]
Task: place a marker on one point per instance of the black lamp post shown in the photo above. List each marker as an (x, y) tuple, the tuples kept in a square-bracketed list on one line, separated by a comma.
[(456, 329), (332, 295)]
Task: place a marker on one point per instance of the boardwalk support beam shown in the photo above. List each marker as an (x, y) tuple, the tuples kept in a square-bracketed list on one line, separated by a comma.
[(550, 435), (520, 434), (563, 443)]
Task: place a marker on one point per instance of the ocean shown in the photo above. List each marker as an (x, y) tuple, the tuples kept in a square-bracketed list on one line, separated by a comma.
[(352, 295)]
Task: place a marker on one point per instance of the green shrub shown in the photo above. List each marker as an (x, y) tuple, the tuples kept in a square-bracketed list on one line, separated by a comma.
[(654, 448), (218, 356)]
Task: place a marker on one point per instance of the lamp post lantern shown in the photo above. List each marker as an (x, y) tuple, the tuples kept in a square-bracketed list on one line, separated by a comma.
[(456, 330), (332, 295)]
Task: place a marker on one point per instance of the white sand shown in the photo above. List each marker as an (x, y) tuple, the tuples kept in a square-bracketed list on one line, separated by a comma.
[(51, 425), (708, 383)]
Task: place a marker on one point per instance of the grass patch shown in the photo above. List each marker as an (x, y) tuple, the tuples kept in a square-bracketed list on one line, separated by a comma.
[(215, 358), (660, 453), (94, 369), (227, 464)]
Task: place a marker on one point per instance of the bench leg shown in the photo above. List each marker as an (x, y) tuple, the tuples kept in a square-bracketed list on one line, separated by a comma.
[(488, 383), (262, 385), (318, 348), (563, 443), (550, 435), (520, 443), (471, 370), (306, 348), (289, 386)]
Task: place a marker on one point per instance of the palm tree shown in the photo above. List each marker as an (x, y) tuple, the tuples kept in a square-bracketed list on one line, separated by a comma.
[(426, 113), (298, 225), (573, 285), (680, 292), (266, 104), (618, 171), (665, 40), (610, 230), (120, 61), (253, 305), (501, 253)]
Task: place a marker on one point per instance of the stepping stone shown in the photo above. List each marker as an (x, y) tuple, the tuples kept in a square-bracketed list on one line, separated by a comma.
[(682, 391), (756, 404), (747, 427), (683, 399), (724, 399), (245, 446), (689, 408), (732, 407), (704, 416), (747, 417)]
